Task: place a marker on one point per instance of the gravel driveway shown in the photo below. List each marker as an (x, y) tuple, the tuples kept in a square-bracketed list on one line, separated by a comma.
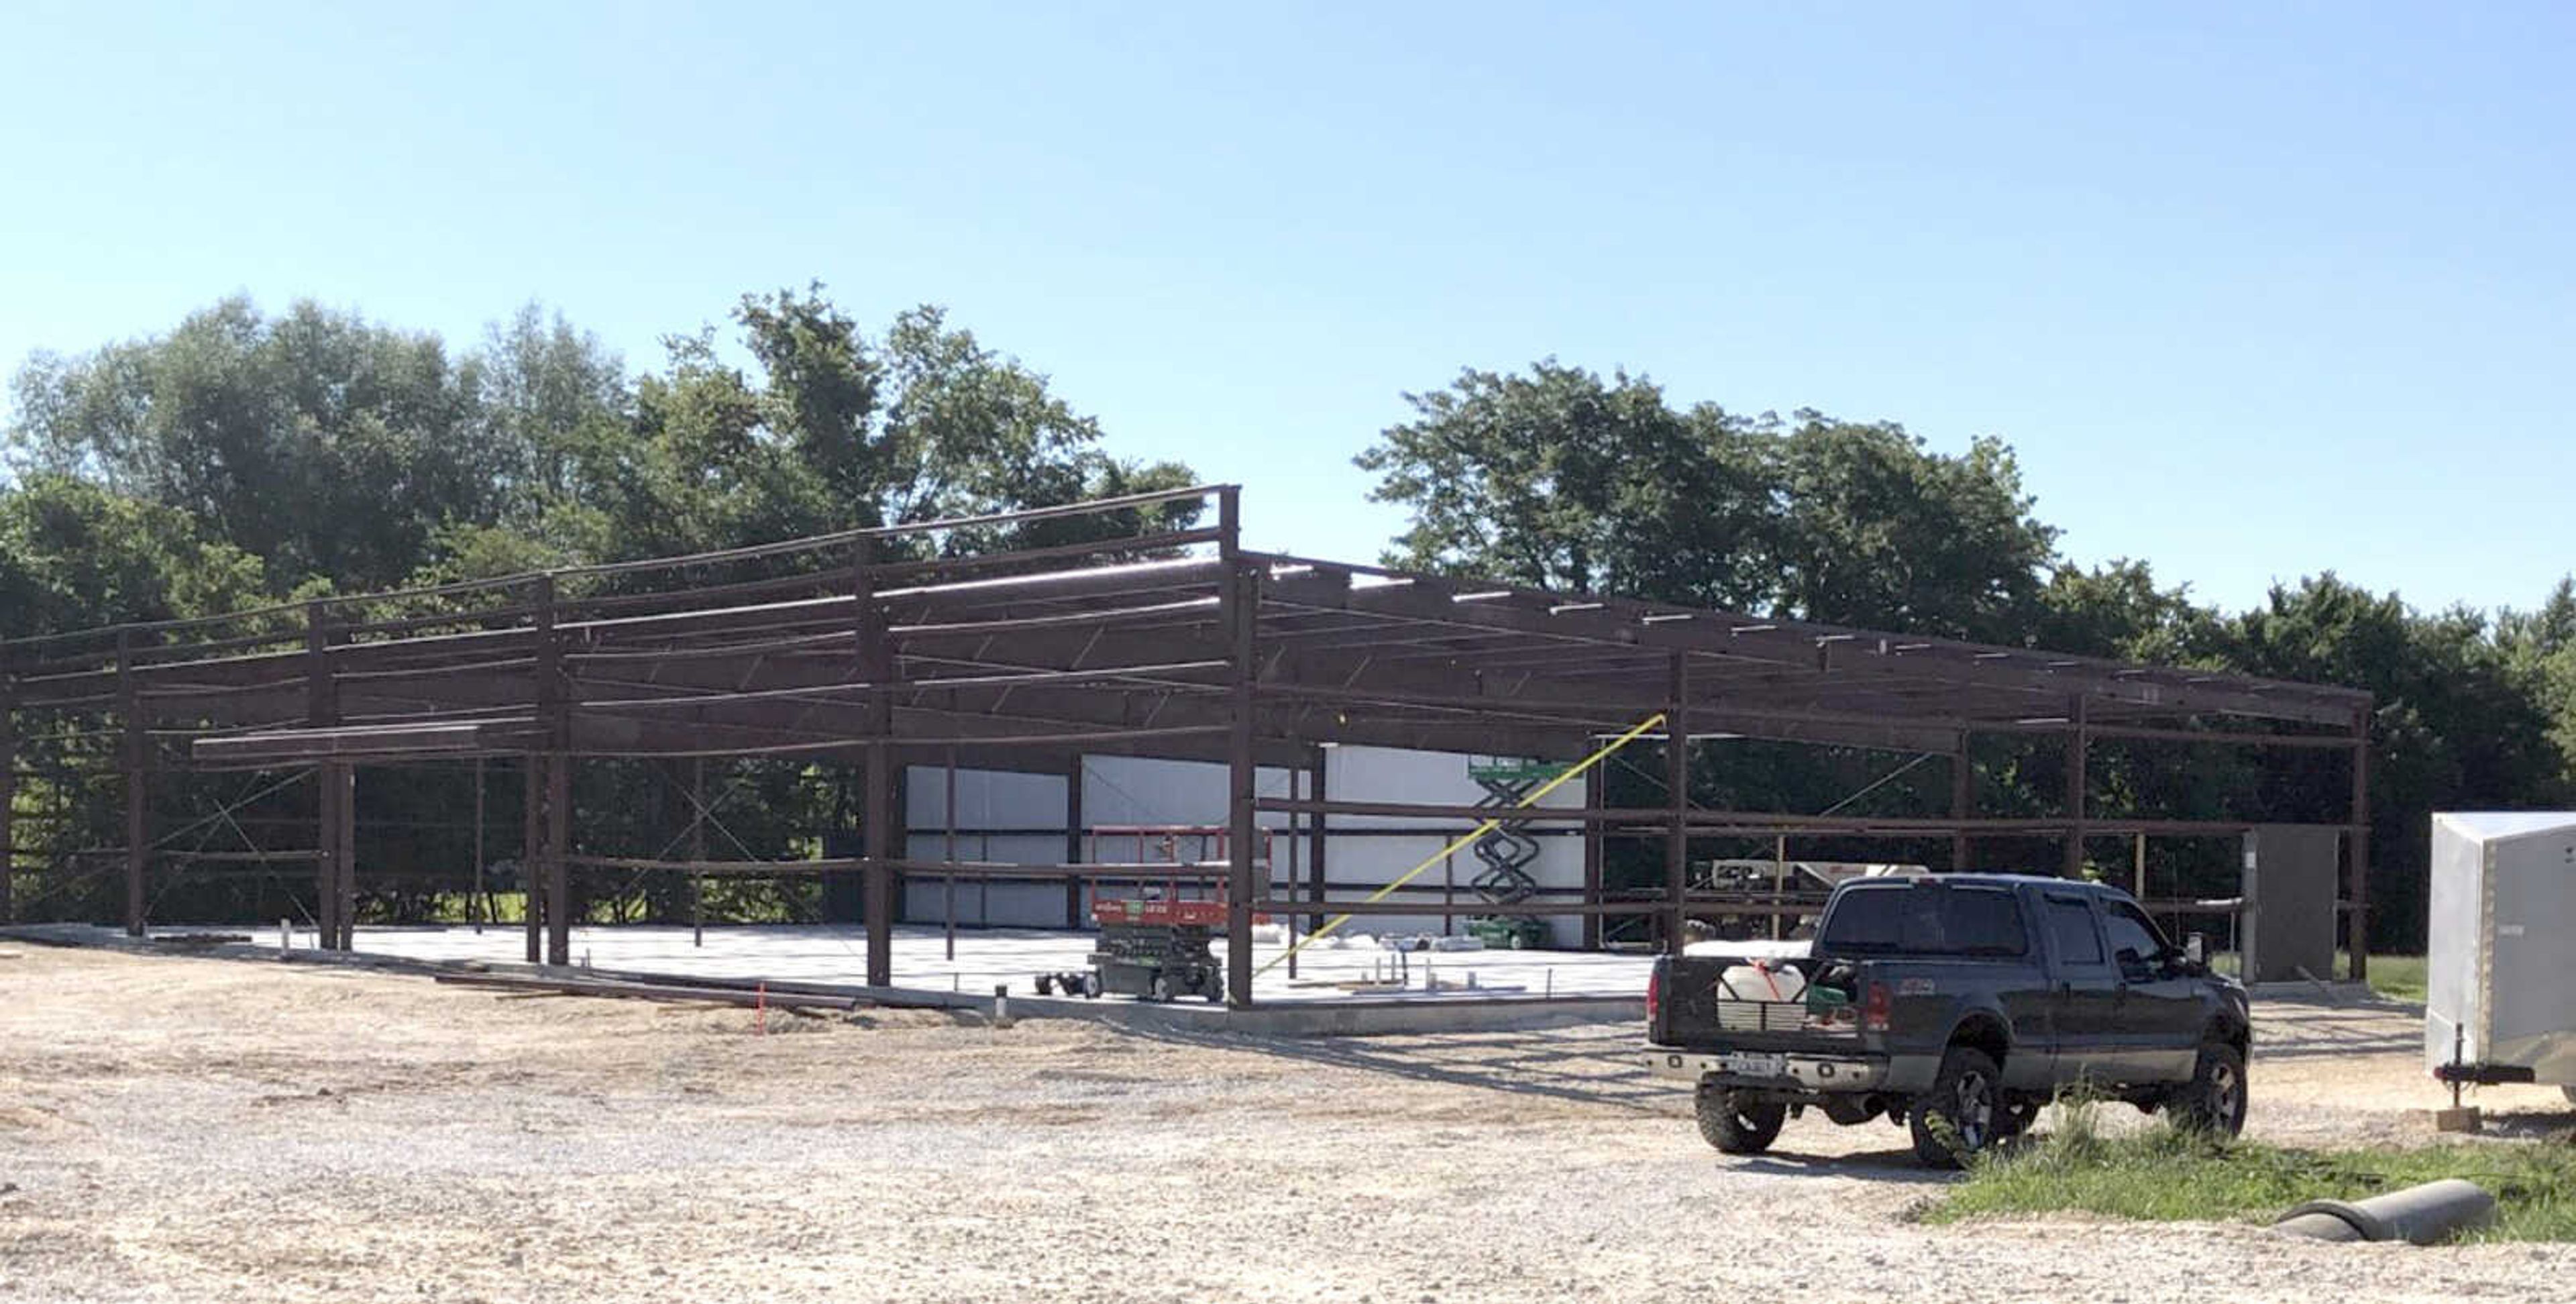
[(212, 1130)]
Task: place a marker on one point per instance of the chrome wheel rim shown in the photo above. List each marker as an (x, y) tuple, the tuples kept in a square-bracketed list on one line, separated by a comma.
[(1976, 1111), (2226, 1093)]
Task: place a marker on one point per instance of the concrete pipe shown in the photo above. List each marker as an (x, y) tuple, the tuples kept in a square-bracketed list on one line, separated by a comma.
[(2418, 1215)]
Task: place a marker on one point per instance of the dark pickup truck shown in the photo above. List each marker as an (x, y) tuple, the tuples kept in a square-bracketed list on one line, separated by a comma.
[(1955, 1005)]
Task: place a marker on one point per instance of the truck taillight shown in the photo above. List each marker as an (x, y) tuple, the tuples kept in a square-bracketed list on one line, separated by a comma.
[(1654, 994), (1877, 1008)]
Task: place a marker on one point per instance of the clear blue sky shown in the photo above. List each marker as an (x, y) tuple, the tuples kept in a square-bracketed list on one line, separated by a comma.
[(2255, 290)]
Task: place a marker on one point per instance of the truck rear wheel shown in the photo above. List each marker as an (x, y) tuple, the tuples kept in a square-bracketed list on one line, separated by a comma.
[(2214, 1100), (1957, 1117), (1738, 1124)]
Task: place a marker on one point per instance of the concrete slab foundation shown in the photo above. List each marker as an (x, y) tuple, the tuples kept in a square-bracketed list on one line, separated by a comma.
[(1511, 989)]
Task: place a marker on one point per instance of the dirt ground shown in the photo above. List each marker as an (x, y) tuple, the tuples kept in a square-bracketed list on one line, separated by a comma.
[(217, 1130)]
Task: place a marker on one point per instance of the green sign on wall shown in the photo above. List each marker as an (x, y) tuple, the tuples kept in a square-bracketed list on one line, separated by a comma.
[(1515, 769)]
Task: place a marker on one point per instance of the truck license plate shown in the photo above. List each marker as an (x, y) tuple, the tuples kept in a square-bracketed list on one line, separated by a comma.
[(1751, 1065)]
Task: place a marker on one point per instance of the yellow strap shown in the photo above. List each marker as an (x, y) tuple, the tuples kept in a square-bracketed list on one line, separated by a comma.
[(1479, 831)]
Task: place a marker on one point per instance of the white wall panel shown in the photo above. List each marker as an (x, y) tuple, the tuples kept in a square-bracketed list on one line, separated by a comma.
[(1366, 851)]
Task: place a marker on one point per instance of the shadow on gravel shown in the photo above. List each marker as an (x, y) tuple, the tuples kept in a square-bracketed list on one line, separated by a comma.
[(2341, 1046), (2531, 1125), (1589, 1064), (1898, 1165), (2291, 1028)]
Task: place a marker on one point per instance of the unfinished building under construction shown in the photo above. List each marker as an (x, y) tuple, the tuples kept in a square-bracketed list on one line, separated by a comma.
[(1135, 627)]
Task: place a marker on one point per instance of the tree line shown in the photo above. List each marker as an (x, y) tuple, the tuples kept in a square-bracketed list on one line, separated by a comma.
[(243, 457)]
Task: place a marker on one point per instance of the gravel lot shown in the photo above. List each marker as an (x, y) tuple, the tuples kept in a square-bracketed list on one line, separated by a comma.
[(215, 1130)]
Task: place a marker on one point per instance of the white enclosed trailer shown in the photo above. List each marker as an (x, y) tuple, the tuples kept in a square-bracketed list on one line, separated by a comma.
[(2500, 971)]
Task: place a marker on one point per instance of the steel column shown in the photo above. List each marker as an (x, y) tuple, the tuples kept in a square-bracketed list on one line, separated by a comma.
[(8, 799), (2357, 932), (554, 717), (477, 893), (326, 859), (558, 872), (1073, 842), (2078, 742), (948, 850), (532, 851), (1271, 885), (1239, 603), (1677, 784), (1963, 800), (342, 780), (698, 816), (131, 755), (322, 710), (1317, 835), (1594, 797), (877, 779)]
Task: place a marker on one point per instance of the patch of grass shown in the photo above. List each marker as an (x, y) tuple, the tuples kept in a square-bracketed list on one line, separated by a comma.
[(2398, 977), (2161, 1174)]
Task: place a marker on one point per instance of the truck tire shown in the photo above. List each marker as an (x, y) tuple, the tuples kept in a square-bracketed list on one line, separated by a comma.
[(1737, 1124), (2014, 1117), (1956, 1118), (2214, 1100)]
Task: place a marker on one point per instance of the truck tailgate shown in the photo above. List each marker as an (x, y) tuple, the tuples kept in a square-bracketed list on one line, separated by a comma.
[(1724, 1001)]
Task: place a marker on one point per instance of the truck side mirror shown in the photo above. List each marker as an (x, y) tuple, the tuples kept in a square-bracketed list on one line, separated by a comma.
[(2195, 948)]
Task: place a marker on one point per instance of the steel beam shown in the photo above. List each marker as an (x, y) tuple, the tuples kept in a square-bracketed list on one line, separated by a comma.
[(2040, 677)]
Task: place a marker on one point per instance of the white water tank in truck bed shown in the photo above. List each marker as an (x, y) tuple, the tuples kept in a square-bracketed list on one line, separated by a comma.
[(2500, 964)]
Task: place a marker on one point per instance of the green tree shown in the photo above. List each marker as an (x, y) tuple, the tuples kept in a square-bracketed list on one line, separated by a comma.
[(321, 443), (75, 554), (1561, 478), (1878, 531), (833, 430), (545, 387)]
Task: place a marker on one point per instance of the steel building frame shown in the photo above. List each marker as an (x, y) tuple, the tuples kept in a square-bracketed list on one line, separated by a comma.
[(1170, 641)]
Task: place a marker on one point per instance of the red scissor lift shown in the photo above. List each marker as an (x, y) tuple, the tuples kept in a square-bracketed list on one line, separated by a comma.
[(1156, 948)]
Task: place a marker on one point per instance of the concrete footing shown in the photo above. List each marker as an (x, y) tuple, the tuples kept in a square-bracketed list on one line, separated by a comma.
[(2462, 1118)]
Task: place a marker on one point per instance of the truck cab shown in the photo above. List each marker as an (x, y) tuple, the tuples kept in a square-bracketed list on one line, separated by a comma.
[(1955, 1005)]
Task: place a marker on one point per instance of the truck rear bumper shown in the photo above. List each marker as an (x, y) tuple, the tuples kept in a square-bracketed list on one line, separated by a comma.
[(1782, 1072)]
